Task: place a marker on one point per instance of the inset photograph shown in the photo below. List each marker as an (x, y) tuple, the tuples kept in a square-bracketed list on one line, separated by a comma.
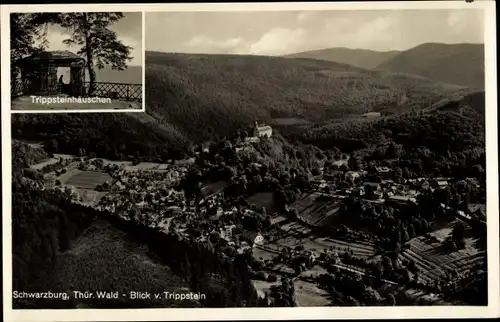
[(76, 61)]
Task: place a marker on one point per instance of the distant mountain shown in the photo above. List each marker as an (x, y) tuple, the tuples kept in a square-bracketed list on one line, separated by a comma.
[(131, 75), (363, 58), (461, 64)]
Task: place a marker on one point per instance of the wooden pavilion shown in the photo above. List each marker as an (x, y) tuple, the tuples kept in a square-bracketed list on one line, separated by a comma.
[(38, 73)]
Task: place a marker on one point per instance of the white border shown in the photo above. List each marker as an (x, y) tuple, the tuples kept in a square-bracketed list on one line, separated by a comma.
[(7, 10), (492, 310)]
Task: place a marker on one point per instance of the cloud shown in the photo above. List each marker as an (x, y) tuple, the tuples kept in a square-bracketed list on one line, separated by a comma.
[(275, 42), (211, 45), (305, 16), (279, 41), (278, 33), (456, 17), (383, 30)]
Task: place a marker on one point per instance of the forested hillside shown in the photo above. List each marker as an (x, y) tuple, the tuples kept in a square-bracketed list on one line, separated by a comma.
[(461, 64), (225, 92), (445, 138), (357, 57), (111, 135), (25, 155)]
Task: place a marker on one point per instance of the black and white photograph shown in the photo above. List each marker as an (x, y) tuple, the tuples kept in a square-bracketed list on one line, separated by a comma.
[(76, 61), (298, 158)]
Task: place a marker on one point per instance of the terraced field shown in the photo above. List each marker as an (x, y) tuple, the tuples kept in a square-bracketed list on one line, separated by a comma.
[(315, 209), (360, 249), (434, 262)]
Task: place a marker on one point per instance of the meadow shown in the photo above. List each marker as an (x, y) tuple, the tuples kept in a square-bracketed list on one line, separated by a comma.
[(262, 199), (88, 179)]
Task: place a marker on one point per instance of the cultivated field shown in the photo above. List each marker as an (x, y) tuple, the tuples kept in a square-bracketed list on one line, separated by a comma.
[(434, 262), (88, 179), (309, 294), (371, 115), (118, 163), (41, 165), (317, 245), (289, 121), (263, 286), (64, 156), (296, 233), (150, 166), (50, 161), (91, 197), (210, 188), (316, 210), (262, 199), (63, 178)]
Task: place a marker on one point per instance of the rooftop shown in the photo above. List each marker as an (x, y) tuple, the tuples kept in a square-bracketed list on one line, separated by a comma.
[(61, 56), (402, 198)]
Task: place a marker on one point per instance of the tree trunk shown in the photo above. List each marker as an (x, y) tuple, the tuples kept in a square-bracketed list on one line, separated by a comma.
[(90, 68), (90, 63)]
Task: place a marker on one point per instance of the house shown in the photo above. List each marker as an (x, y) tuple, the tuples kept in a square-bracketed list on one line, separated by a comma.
[(401, 201), (252, 238), (243, 249), (252, 139), (353, 175), (228, 231), (311, 259), (439, 184), (372, 190), (375, 186), (319, 184), (384, 172), (463, 216), (49, 180), (262, 130), (477, 209)]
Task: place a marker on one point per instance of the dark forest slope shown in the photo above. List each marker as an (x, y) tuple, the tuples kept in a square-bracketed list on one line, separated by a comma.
[(112, 135), (462, 116), (461, 64), (25, 155)]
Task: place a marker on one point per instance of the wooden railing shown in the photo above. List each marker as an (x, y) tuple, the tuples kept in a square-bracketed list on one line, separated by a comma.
[(128, 92)]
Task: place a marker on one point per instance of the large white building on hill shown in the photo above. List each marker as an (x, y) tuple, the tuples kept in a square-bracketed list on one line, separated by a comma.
[(262, 130)]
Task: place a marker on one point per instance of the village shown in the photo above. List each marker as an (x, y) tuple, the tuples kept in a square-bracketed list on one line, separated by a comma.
[(299, 244)]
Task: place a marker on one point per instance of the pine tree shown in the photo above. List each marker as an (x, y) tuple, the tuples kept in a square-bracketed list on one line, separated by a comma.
[(99, 44)]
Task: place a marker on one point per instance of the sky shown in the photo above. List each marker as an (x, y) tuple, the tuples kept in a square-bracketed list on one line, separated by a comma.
[(128, 30), (286, 32)]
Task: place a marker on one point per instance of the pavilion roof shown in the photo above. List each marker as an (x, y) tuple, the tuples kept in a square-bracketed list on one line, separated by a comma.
[(61, 57)]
